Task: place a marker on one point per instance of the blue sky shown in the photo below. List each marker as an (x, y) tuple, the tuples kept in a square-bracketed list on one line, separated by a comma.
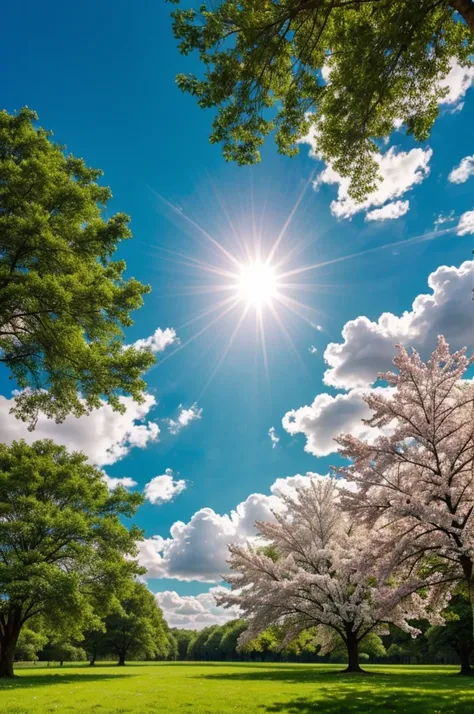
[(101, 76)]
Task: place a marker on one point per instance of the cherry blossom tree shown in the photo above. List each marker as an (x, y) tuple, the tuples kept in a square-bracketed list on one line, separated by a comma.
[(418, 474), (317, 571)]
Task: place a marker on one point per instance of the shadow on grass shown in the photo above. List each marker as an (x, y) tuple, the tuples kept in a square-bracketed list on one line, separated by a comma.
[(292, 674), (335, 692), (68, 676), (378, 702)]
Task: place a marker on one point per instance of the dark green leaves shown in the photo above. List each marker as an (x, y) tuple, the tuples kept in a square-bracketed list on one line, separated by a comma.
[(348, 69)]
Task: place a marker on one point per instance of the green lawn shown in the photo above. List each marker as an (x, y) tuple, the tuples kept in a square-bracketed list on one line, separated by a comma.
[(218, 688)]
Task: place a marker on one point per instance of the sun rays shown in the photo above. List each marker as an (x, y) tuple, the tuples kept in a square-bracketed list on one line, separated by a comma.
[(240, 277)]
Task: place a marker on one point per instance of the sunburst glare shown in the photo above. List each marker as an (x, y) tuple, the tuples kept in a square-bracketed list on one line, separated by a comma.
[(244, 279), (257, 284)]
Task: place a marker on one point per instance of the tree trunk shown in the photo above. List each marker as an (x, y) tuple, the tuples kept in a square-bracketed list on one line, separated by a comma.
[(8, 640), (466, 9), (352, 644), (464, 654), (121, 660), (7, 655), (468, 569)]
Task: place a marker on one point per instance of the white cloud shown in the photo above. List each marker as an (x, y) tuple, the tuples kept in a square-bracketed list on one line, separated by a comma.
[(466, 224), (441, 219), (198, 550), (185, 417), (329, 416), (158, 341), (463, 171), (389, 212), (103, 435), (193, 612), (312, 349), (124, 481), (368, 346), (274, 438), (457, 82), (400, 171), (164, 488)]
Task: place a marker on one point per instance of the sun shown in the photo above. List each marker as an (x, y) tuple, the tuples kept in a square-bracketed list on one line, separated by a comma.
[(257, 284)]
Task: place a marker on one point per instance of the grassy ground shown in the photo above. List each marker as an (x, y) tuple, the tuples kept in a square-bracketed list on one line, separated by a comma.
[(244, 688)]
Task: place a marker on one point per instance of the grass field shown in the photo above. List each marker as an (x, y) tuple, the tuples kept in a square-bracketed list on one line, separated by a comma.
[(244, 688)]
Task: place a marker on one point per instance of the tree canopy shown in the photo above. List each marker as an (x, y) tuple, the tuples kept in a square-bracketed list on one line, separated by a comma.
[(64, 552), (137, 627), (418, 475), (63, 300), (324, 577), (346, 70)]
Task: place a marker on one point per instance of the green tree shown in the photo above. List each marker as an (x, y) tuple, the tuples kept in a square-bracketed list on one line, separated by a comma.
[(456, 634), (64, 552), (183, 639), (63, 299), (95, 644), (137, 628), (173, 647), (347, 69), (30, 641), (230, 638), (62, 650)]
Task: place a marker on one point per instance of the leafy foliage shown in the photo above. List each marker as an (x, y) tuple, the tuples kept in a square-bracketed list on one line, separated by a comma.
[(64, 553), (63, 300), (137, 628), (347, 70)]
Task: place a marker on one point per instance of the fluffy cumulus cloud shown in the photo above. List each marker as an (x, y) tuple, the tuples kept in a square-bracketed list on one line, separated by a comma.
[(463, 170), (457, 82), (164, 488), (389, 212), (327, 417), (193, 612), (124, 481), (368, 346), (103, 435), (274, 438), (400, 171), (198, 550), (466, 224), (184, 418), (158, 341)]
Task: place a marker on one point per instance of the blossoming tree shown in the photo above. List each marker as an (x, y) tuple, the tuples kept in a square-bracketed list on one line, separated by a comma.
[(317, 571), (418, 474)]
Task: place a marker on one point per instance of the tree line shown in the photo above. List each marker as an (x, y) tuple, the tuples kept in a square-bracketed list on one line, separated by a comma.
[(451, 643)]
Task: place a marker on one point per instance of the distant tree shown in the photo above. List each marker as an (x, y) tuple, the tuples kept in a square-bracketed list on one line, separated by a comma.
[(325, 575), (230, 638), (62, 650), (456, 635), (137, 628), (64, 551), (95, 644), (350, 70), (197, 649), (30, 641), (63, 299), (183, 639), (172, 653), (419, 477)]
